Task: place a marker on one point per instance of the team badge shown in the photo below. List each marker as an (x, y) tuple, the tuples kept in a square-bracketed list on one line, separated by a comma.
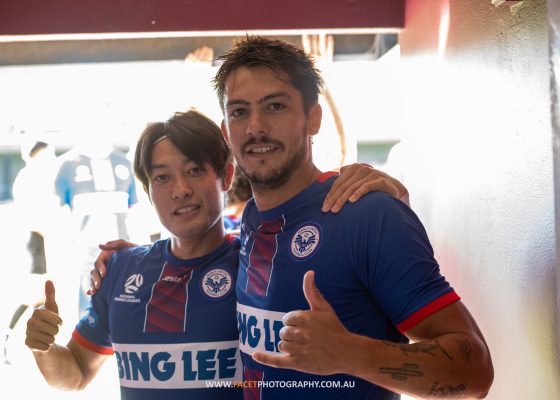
[(133, 283), (216, 283), (305, 241)]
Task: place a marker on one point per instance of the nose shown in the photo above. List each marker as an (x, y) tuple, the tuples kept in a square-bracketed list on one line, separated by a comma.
[(257, 124), (182, 189)]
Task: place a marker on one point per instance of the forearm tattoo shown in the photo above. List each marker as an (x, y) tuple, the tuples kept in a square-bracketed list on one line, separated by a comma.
[(438, 390), (464, 347), (403, 372), (427, 348)]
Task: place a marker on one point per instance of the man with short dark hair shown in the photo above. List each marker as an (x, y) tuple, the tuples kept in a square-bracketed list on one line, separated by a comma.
[(237, 196), (167, 311), (372, 262)]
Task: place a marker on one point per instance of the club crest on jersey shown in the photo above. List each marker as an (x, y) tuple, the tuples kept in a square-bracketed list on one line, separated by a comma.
[(133, 283), (216, 283), (305, 241)]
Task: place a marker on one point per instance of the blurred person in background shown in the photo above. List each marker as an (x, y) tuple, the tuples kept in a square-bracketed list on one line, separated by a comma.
[(237, 196), (96, 186), (37, 209)]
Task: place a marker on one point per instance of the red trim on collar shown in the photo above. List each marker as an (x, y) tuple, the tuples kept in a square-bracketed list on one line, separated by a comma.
[(325, 175)]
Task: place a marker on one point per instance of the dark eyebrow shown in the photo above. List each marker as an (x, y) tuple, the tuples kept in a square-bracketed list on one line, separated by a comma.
[(161, 166), (273, 96), (238, 102), (158, 166), (260, 101)]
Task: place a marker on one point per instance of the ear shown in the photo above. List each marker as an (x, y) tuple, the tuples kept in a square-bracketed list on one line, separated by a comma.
[(315, 115), (224, 131), (228, 177)]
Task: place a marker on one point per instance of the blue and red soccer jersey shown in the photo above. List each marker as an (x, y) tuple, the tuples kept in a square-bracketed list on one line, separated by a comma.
[(170, 322), (374, 264)]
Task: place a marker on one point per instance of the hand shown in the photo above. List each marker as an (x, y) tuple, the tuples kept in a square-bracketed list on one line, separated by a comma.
[(312, 341), (202, 54), (320, 46), (358, 179), (99, 269), (44, 323)]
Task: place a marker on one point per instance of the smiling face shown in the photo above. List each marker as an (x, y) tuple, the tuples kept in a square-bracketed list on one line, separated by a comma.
[(268, 129), (187, 196)]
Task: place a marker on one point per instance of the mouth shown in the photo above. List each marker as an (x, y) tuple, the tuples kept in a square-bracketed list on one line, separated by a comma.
[(261, 149), (186, 209)]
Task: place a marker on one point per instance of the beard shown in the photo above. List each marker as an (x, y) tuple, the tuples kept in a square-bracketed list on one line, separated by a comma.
[(278, 176)]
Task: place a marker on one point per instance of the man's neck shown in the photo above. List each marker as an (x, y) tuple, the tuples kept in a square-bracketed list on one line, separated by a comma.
[(189, 248), (267, 199)]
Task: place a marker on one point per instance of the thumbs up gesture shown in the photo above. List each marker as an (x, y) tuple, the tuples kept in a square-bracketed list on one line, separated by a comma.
[(44, 323), (312, 341)]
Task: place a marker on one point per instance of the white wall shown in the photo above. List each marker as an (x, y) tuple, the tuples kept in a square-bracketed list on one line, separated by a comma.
[(554, 32), (479, 166)]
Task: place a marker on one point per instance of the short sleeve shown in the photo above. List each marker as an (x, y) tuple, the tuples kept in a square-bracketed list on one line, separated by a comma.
[(400, 270), (92, 331)]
